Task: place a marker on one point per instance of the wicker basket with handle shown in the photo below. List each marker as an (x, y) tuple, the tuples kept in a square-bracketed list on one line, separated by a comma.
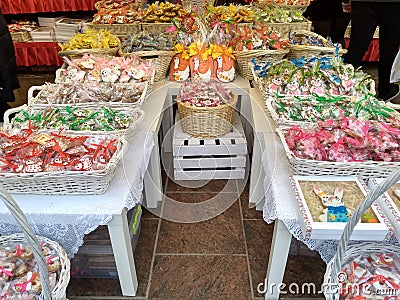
[(343, 252), (29, 237), (299, 51), (159, 59), (207, 122)]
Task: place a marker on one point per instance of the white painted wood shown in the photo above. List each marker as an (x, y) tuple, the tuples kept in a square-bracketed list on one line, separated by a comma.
[(198, 154), (281, 240), (118, 229), (182, 162), (237, 173)]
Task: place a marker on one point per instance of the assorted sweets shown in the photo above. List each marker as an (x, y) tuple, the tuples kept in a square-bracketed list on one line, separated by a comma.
[(32, 151), (204, 94), (20, 277), (91, 39)]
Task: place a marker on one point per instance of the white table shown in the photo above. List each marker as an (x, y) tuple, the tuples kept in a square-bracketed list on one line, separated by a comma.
[(67, 218)]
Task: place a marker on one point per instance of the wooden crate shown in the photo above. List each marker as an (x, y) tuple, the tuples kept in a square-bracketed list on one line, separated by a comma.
[(215, 158)]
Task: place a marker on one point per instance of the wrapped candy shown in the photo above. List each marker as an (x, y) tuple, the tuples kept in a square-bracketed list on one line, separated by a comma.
[(145, 41), (93, 68), (319, 75), (370, 276), (90, 92), (319, 108), (202, 94), (74, 118), (30, 151), (346, 140), (91, 39)]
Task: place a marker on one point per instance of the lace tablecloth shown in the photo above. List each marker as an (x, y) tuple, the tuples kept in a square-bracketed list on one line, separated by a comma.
[(280, 201), (66, 219)]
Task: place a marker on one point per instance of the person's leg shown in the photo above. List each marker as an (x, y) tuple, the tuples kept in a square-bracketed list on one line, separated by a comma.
[(389, 39), (363, 25), (339, 28)]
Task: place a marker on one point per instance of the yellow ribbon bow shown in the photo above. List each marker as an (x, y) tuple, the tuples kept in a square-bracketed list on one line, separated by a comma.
[(217, 51), (180, 48), (200, 49)]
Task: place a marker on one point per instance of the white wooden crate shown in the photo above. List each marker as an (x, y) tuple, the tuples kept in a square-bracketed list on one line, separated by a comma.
[(215, 158)]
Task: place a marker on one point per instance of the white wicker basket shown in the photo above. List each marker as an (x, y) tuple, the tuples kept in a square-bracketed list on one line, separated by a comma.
[(364, 169), (92, 182), (137, 116), (29, 237), (345, 253), (34, 99)]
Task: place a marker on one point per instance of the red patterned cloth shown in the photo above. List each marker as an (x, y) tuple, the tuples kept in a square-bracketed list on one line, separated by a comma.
[(372, 53), (37, 53), (35, 6)]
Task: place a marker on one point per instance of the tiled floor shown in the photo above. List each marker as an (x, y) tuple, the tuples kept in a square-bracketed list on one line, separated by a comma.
[(224, 257)]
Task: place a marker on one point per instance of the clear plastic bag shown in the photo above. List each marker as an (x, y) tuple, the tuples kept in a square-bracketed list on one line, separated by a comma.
[(395, 74)]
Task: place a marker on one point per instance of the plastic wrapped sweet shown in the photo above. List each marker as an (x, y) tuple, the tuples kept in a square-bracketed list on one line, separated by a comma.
[(90, 92), (31, 151), (93, 68), (204, 94), (163, 12), (346, 140), (145, 41), (319, 76), (319, 108), (19, 277), (371, 276), (91, 39), (74, 118)]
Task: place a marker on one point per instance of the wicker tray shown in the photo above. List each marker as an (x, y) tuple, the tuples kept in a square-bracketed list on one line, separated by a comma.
[(159, 59), (28, 237), (120, 30), (207, 122), (243, 59), (137, 116), (20, 36), (363, 169), (299, 51), (99, 51), (93, 182), (33, 100)]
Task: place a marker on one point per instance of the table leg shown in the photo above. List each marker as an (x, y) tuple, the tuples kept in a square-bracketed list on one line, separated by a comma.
[(153, 188), (277, 260), (257, 175), (122, 248)]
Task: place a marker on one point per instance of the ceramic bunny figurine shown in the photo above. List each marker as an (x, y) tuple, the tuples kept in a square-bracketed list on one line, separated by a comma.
[(335, 211)]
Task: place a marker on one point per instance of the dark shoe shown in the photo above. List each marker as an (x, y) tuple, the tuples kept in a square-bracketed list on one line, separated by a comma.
[(392, 93)]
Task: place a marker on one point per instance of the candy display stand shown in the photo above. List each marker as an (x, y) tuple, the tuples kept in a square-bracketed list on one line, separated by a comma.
[(343, 253), (29, 237)]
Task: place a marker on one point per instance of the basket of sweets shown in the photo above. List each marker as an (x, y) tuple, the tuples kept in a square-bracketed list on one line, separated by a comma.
[(260, 43), (20, 30), (89, 94), (33, 267), (76, 120), (288, 4), (156, 48), (206, 108), (159, 15), (308, 44), (364, 270), (297, 110), (91, 42), (53, 163), (344, 147)]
